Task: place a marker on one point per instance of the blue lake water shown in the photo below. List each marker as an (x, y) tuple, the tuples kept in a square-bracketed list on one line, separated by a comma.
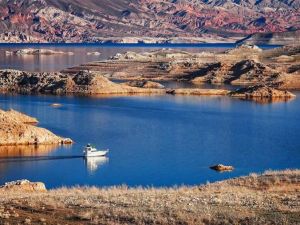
[(153, 140), (156, 140)]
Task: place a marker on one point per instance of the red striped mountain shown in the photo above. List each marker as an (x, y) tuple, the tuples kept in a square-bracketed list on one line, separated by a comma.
[(133, 20)]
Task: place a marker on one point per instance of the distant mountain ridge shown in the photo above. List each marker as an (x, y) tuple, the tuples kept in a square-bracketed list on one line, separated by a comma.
[(98, 20)]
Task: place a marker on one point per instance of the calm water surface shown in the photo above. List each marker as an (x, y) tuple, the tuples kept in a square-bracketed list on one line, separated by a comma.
[(155, 140)]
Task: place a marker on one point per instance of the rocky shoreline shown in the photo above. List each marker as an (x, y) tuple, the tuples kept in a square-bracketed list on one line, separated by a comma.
[(90, 83), (257, 70), (93, 84), (19, 129)]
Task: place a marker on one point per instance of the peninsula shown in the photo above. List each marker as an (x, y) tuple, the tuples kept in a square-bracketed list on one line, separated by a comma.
[(19, 129)]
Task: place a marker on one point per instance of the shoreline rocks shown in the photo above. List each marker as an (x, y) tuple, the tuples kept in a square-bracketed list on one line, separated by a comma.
[(261, 92), (92, 83), (24, 185), (222, 168), (18, 129), (82, 83), (245, 72), (198, 91), (144, 84), (33, 51)]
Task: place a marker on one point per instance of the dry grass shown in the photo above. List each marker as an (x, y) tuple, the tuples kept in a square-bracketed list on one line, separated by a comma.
[(270, 198)]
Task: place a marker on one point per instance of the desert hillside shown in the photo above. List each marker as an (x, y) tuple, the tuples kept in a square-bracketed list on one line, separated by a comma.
[(143, 20)]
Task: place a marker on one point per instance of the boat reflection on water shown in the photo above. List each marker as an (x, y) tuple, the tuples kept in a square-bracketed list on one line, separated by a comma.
[(94, 163)]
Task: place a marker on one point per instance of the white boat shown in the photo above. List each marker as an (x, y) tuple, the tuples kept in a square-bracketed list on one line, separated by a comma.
[(90, 151)]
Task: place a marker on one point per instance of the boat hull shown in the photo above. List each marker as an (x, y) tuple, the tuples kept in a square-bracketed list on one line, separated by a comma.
[(96, 153)]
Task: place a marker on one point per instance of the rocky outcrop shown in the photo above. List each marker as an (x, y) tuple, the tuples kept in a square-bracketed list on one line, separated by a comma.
[(21, 117), (83, 83), (15, 129), (243, 65), (33, 51), (198, 91), (161, 54), (95, 84), (294, 69), (222, 168), (245, 72), (23, 186), (261, 92), (158, 65), (24, 82), (145, 84), (245, 48)]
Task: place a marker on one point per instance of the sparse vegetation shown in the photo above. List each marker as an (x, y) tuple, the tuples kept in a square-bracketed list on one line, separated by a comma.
[(270, 198)]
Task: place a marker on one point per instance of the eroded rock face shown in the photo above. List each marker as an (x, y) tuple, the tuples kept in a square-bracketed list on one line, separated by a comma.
[(245, 72), (15, 129), (145, 84), (83, 82), (262, 92), (24, 82), (97, 21), (23, 185)]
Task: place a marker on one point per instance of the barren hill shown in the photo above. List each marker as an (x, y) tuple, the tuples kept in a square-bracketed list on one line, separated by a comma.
[(122, 20)]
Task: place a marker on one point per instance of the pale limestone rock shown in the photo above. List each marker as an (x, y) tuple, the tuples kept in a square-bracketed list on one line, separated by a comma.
[(23, 185)]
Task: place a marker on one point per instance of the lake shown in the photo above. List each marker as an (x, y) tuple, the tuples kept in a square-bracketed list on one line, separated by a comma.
[(153, 140)]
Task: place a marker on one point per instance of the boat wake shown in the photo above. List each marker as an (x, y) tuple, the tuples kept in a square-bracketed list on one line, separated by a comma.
[(36, 158)]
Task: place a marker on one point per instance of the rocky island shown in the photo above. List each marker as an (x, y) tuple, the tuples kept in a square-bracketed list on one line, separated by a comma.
[(32, 51)]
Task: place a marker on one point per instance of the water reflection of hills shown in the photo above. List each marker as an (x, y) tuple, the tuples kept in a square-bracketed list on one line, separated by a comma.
[(93, 163), (26, 150), (264, 101)]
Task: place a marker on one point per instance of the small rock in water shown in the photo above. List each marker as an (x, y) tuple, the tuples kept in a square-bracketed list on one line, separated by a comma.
[(56, 105), (66, 141), (93, 53), (222, 168)]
